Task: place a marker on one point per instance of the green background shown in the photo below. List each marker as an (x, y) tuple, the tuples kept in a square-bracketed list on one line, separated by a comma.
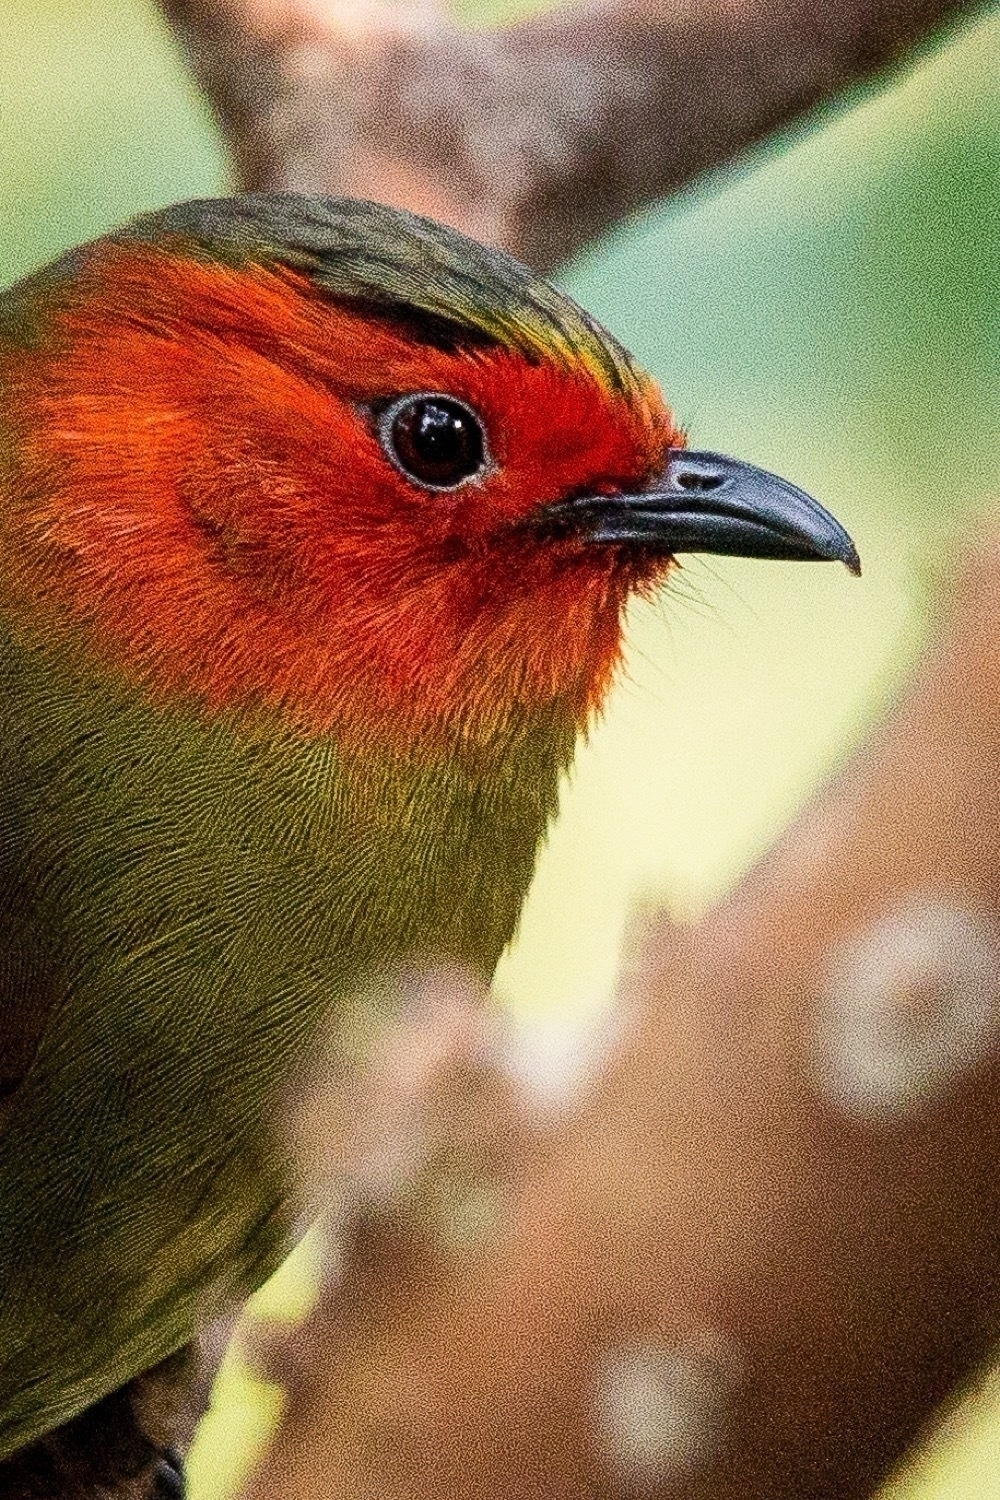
[(831, 310)]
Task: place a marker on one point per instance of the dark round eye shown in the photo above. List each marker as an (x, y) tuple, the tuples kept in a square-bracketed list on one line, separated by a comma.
[(434, 440)]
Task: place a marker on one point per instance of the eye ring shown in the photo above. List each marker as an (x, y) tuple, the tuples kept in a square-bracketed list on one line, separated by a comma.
[(434, 440)]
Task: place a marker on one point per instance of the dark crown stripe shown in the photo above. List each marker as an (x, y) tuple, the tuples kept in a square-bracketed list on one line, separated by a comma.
[(447, 288)]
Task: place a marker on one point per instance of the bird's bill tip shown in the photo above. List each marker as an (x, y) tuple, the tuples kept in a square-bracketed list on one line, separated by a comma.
[(706, 502)]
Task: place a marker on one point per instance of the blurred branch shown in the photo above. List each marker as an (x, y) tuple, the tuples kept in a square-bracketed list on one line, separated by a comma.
[(538, 135), (766, 1248)]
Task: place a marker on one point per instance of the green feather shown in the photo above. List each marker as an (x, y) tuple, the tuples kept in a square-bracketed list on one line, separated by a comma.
[(191, 896)]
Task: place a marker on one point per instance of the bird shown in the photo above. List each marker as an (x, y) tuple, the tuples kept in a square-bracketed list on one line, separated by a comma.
[(318, 523)]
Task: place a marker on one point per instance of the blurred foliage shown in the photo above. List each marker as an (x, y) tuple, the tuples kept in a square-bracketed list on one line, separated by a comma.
[(830, 309)]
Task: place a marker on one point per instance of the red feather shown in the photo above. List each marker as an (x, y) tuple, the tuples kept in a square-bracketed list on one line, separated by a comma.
[(204, 491)]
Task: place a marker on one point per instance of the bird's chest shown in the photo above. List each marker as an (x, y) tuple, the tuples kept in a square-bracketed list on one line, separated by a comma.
[(187, 906), (190, 900), (191, 888)]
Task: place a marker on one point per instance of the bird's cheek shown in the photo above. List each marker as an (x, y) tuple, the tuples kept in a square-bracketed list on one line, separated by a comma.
[(235, 542), (451, 524)]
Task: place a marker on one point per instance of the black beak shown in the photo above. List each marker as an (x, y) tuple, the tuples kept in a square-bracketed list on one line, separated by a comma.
[(703, 502)]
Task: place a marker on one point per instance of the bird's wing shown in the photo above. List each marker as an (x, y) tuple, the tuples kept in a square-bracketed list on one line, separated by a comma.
[(27, 987), (21, 1029), (28, 984)]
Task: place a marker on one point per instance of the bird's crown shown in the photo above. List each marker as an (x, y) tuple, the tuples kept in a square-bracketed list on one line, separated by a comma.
[(449, 289)]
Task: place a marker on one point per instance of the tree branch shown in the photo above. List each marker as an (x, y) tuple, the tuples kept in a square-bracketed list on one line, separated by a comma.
[(539, 135), (766, 1248)]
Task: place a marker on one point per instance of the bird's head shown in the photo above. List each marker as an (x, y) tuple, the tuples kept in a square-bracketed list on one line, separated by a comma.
[(341, 462)]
